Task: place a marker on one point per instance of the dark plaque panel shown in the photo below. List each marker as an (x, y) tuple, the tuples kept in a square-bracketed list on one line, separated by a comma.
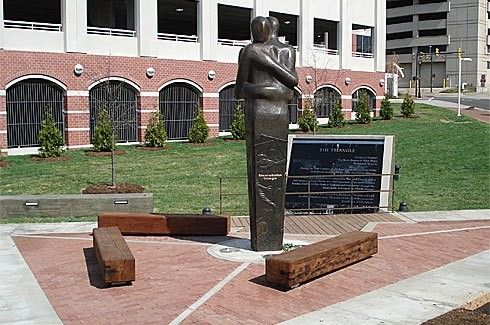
[(330, 157)]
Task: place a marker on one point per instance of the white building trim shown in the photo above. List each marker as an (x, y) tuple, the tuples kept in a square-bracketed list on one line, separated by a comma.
[(3, 92), (226, 85), (77, 93), (77, 129), (192, 83), (213, 125), (210, 110), (210, 95), (149, 94), (36, 76), (76, 112), (129, 82)]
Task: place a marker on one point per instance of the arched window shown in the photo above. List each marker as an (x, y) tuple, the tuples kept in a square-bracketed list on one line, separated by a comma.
[(294, 107), (121, 102), (325, 99), (178, 104), (227, 104), (357, 94), (27, 103)]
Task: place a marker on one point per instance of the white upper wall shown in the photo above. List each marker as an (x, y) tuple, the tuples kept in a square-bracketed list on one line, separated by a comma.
[(74, 37)]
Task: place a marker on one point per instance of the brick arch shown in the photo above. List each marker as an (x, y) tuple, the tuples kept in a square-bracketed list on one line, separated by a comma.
[(36, 76)]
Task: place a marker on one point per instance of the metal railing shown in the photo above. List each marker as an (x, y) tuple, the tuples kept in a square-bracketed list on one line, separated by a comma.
[(309, 193), (362, 55), (14, 24), (231, 42), (323, 49), (178, 38), (111, 32)]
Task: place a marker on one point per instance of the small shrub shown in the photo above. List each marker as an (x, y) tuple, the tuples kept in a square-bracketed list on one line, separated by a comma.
[(237, 127), (50, 137), (363, 111), (102, 138), (408, 106), (307, 121), (386, 111), (155, 134), (200, 130), (337, 117)]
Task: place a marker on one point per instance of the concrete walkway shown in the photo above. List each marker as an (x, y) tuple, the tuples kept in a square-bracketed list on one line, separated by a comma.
[(22, 301)]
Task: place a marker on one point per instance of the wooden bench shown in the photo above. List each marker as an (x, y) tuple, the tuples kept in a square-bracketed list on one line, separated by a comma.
[(308, 262), (115, 259), (166, 224)]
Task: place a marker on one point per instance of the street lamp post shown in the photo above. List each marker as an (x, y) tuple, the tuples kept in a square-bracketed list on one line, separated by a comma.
[(459, 82)]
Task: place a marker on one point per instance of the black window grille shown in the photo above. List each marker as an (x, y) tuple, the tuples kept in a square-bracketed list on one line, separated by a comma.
[(357, 94), (227, 104), (178, 104), (121, 102), (27, 103), (294, 107), (325, 99)]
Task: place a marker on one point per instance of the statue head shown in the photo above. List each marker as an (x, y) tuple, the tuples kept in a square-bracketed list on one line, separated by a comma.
[(274, 22), (261, 29)]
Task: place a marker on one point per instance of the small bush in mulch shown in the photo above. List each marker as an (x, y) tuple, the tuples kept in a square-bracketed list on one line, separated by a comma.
[(199, 132), (460, 316), (201, 144), (104, 153), (119, 188)]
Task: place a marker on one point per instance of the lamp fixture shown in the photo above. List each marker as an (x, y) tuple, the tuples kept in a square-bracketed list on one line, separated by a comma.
[(150, 72), (347, 81), (78, 69), (211, 74), (309, 79), (381, 82)]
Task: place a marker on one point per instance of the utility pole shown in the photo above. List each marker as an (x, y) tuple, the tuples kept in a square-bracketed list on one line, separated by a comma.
[(419, 63), (430, 53)]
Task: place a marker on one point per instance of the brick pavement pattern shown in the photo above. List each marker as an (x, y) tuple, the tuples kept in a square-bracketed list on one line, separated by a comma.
[(173, 273)]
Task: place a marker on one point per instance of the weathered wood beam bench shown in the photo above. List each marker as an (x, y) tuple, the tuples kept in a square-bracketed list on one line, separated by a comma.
[(308, 262), (166, 224), (116, 261)]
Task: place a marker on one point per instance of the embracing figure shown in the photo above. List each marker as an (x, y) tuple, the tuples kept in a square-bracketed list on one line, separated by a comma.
[(265, 80)]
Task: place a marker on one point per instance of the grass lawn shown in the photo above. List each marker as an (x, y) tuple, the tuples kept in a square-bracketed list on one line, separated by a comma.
[(445, 164)]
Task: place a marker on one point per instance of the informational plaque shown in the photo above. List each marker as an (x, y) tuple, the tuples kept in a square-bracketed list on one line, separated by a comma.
[(338, 174)]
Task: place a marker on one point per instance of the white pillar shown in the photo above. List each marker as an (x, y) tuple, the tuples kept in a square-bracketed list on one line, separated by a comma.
[(380, 36), (345, 50), (305, 37), (260, 9), (74, 20), (146, 15), (208, 28), (1, 24)]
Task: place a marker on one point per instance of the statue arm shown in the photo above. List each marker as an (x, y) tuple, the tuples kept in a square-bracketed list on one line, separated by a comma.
[(285, 73)]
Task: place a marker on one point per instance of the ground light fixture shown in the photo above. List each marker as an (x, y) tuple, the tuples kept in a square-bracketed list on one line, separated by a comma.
[(459, 82)]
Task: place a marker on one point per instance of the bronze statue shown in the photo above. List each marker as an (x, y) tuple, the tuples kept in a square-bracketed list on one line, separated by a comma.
[(266, 79)]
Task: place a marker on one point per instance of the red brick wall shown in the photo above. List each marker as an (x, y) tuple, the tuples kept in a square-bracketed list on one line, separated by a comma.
[(16, 64)]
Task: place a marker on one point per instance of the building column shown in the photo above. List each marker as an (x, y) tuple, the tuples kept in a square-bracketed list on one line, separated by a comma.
[(380, 36), (305, 41), (74, 20), (345, 50), (146, 15), (1, 24), (260, 9), (208, 29)]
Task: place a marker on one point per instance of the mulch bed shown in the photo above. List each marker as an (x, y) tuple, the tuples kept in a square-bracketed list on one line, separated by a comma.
[(104, 153), (233, 140), (120, 188), (50, 159), (4, 163), (152, 148), (460, 316)]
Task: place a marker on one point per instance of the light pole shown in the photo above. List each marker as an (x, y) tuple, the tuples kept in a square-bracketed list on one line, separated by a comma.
[(459, 82)]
